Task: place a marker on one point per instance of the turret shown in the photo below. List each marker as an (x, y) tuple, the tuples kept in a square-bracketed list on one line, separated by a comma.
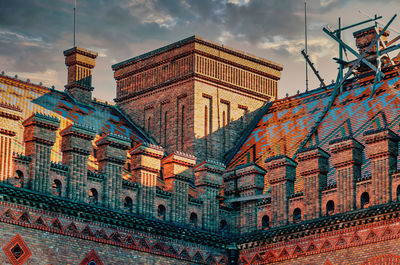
[(112, 156), (208, 179), (250, 184), (146, 166), (347, 159), (40, 136), (382, 149), (313, 166), (178, 174), (76, 146), (281, 173)]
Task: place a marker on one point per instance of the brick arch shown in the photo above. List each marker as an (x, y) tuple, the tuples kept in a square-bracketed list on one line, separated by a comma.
[(388, 259)]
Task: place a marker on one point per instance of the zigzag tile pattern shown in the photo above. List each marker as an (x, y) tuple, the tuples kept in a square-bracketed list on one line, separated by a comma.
[(286, 123), (32, 98)]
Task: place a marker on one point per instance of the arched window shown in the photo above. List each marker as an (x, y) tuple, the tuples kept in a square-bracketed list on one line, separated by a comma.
[(296, 215), (128, 204), (330, 208), (223, 226), (193, 219), (398, 193), (93, 196), (57, 187), (265, 222), (92, 263), (364, 200), (161, 212), (19, 179)]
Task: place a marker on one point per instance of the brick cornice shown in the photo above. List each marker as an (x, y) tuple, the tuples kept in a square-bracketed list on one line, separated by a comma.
[(7, 132)]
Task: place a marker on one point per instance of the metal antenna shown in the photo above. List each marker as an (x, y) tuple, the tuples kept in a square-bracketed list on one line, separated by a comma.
[(321, 80), (305, 36), (74, 21)]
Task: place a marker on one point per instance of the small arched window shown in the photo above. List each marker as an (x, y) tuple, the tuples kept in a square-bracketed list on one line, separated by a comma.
[(19, 179), (265, 222), (193, 219), (93, 196), (128, 203), (330, 208), (297, 215), (57, 187), (161, 212), (364, 200), (92, 263), (398, 193), (223, 226)]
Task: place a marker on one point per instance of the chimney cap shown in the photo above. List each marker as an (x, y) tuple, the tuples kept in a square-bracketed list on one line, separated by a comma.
[(81, 51), (369, 30)]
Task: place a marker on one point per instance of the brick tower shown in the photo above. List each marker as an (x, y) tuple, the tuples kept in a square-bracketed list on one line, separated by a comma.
[(80, 63), (195, 96)]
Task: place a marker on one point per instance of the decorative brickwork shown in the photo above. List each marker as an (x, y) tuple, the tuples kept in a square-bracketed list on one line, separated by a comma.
[(214, 173), (17, 251), (91, 259)]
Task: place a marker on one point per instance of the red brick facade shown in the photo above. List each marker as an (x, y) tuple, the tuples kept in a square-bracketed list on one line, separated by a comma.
[(162, 177)]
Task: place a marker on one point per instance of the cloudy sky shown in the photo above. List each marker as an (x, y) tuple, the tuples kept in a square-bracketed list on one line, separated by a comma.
[(34, 33)]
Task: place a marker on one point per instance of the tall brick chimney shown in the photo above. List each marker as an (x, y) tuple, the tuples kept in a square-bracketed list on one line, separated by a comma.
[(80, 63), (364, 38)]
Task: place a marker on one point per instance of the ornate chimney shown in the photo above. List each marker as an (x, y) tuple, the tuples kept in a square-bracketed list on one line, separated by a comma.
[(80, 63)]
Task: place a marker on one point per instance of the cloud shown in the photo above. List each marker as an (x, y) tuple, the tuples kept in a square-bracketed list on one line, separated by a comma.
[(34, 33)]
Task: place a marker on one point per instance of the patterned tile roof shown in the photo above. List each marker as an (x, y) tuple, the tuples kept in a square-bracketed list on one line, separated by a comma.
[(100, 117), (286, 122)]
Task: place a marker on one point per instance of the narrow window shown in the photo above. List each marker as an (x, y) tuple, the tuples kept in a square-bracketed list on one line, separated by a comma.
[(19, 179), (161, 212), (165, 127), (128, 203), (93, 196), (296, 215), (57, 187), (223, 226), (265, 222), (224, 131), (182, 126), (330, 208), (206, 130), (193, 219), (364, 200)]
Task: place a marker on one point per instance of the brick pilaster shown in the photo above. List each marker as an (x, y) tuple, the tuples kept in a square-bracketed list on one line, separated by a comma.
[(208, 179), (76, 146), (178, 174), (382, 150), (146, 166), (40, 136), (250, 183), (10, 116), (346, 158), (313, 166), (112, 156), (281, 173)]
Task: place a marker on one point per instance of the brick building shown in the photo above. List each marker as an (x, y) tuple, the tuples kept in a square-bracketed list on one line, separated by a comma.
[(198, 162)]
